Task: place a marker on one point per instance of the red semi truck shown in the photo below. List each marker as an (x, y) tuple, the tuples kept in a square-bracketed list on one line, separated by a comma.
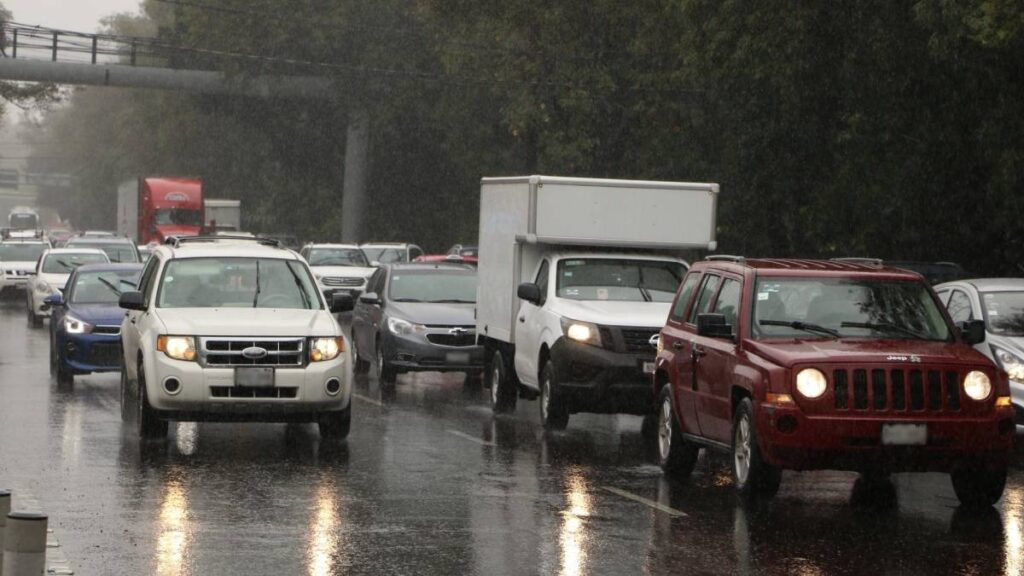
[(151, 209)]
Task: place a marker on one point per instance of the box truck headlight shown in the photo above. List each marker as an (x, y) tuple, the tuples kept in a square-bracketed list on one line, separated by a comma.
[(583, 332)]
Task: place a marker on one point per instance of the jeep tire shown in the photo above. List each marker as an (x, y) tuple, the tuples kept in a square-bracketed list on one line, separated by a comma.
[(676, 456), (978, 488), (753, 477)]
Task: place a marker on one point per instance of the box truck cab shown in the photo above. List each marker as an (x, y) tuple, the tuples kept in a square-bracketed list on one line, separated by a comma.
[(153, 209), (576, 279)]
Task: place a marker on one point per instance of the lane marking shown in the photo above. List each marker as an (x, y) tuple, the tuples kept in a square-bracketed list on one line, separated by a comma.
[(656, 505), (465, 436), (368, 399)]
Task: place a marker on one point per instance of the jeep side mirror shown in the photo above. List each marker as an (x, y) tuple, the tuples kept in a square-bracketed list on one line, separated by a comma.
[(370, 298), (973, 331), (530, 292), (342, 302), (54, 300), (713, 326), (132, 301)]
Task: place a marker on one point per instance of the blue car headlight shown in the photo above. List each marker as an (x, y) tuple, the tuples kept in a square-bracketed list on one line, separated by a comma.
[(76, 326)]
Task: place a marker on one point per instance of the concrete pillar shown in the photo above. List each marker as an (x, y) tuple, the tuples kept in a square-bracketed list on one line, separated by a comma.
[(5, 509), (25, 544), (357, 168)]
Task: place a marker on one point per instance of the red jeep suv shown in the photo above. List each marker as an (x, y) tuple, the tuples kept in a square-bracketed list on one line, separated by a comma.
[(842, 364)]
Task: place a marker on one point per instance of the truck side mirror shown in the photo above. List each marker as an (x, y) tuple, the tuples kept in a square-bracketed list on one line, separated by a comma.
[(530, 292), (132, 301), (342, 302), (713, 326), (973, 331)]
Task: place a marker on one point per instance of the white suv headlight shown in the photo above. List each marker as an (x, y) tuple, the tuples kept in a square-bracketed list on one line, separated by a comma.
[(75, 326), (324, 349), (977, 385), (811, 382), (177, 347)]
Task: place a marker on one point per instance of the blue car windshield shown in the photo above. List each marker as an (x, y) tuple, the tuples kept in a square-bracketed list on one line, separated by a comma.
[(102, 287)]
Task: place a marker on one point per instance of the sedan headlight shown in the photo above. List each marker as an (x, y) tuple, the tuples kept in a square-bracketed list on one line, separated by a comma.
[(977, 385), (324, 349), (811, 382), (44, 288), (177, 347), (403, 327), (75, 326), (1010, 362), (583, 332)]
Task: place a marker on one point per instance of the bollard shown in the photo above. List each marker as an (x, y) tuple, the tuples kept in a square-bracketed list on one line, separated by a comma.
[(25, 544), (5, 508)]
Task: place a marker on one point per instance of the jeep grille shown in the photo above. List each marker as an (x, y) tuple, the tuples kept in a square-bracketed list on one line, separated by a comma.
[(896, 389)]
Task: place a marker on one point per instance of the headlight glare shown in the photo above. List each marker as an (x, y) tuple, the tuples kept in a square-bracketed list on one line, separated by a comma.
[(977, 386), (75, 326), (177, 347), (811, 383), (584, 332), (324, 349)]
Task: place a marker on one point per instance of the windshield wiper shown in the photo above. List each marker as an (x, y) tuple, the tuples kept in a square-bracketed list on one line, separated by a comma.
[(256, 296), (110, 285), (885, 326), (452, 301), (798, 325), (302, 289)]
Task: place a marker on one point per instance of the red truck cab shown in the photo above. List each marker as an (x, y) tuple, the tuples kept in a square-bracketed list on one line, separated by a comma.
[(169, 207), (843, 364)]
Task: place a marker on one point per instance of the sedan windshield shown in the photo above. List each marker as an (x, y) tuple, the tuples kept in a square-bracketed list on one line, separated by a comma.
[(238, 283), (66, 263), (846, 308), (619, 280), (384, 255), (18, 252), (123, 253), (102, 287), (1004, 312), (452, 286), (337, 257)]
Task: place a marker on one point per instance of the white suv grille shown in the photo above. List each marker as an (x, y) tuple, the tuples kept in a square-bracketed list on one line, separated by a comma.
[(228, 351)]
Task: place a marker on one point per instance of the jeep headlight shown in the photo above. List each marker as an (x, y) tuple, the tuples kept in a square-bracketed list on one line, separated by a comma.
[(977, 386), (177, 347), (1010, 362), (324, 349), (811, 383), (402, 327), (75, 326), (583, 332)]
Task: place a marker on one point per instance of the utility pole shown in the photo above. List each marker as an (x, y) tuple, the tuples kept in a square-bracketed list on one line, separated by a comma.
[(357, 164)]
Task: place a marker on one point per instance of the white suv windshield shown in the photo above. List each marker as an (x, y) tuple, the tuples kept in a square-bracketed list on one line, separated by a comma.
[(619, 279), (17, 252), (384, 255), (237, 283)]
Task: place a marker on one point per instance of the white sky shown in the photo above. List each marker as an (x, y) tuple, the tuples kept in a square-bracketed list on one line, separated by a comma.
[(77, 15)]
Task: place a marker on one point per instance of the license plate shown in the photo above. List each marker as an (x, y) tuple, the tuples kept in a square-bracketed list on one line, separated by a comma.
[(457, 357), (255, 377), (904, 434)]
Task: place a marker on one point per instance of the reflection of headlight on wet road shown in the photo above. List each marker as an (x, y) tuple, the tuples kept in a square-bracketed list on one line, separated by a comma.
[(572, 535), (172, 544), (324, 533), (1013, 527)]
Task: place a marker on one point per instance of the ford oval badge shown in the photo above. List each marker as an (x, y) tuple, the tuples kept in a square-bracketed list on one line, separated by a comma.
[(254, 353)]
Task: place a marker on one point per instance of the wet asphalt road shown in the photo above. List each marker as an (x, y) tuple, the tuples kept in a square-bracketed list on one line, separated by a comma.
[(430, 482)]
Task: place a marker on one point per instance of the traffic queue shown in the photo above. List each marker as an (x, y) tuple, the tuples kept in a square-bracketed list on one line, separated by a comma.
[(779, 363)]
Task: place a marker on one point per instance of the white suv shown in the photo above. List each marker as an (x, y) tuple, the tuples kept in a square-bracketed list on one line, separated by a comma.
[(338, 268), (51, 274), (231, 329), (18, 260)]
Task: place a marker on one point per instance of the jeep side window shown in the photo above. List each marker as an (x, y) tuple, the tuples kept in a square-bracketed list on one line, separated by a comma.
[(542, 281), (685, 293), (960, 307), (728, 301), (707, 290), (146, 279)]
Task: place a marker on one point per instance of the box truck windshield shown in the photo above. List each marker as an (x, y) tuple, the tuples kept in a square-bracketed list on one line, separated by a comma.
[(619, 279)]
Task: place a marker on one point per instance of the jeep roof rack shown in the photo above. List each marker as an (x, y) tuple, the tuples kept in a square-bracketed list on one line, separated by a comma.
[(859, 260), (177, 241), (725, 258)]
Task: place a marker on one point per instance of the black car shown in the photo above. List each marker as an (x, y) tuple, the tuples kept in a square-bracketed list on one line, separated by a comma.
[(418, 318)]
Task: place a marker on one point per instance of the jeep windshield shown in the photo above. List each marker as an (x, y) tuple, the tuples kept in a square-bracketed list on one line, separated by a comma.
[(1004, 313), (17, 252), (237, 283), (846, 308), (337, 257), (620, 280), (435, 286), (67, 262)]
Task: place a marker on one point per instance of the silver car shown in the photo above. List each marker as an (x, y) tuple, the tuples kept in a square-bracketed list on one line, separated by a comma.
[(1000, 303)]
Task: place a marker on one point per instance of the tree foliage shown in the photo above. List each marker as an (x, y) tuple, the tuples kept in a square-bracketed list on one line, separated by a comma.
[(873, 128)]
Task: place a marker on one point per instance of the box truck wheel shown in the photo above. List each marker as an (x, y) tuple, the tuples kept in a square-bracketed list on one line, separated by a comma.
[(554, 412), (503, 389)]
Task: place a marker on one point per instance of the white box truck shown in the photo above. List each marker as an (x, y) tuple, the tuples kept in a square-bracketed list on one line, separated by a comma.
[(576, 276), (223, 215)]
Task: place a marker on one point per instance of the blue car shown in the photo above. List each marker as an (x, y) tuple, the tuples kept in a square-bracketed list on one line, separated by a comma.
[(85, 328)]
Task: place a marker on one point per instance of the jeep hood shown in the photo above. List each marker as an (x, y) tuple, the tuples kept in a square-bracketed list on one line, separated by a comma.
[(433, 314), (258, 322), (791, 352), (613, 313)]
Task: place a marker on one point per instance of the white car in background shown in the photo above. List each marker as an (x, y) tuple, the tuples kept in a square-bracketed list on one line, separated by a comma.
[(1000, 303), (390, 252), (51, 275), (338, 268), (18, 260), (233, 329)]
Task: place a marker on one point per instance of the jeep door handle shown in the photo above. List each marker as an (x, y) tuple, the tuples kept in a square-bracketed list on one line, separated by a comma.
[(677, 345), (698, 352)]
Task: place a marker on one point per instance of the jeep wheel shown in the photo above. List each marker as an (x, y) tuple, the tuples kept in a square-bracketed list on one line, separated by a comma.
[(754, 478), (149, 424), (336, 425), (554, 411), (359, 366), (503, 391), (676, 456), (976, 488)]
